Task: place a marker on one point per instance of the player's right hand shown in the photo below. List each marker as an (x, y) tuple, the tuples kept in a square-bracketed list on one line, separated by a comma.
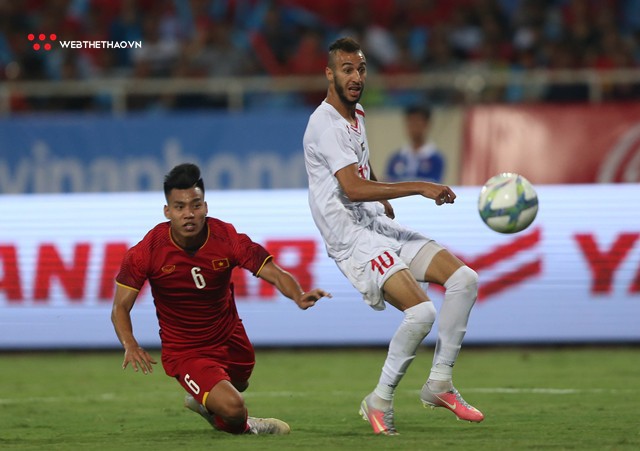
[(139, 359), (309, 298)]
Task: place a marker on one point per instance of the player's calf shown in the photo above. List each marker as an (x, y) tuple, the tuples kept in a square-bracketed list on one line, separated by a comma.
[(216, 421)]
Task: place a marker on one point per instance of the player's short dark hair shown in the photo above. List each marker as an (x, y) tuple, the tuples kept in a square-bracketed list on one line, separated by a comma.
[(183, 176), (348, 45), (422, 110)]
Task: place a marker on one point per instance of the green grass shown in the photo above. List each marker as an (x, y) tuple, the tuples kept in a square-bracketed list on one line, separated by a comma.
[(577, 399)]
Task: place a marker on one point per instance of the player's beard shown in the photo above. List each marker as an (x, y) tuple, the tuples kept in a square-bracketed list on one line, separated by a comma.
[(340, 91)]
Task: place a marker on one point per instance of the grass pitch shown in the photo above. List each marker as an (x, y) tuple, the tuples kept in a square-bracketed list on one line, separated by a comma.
[(574, 399)]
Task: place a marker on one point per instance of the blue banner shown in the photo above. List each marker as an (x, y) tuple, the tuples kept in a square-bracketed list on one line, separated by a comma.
[(69, 153)]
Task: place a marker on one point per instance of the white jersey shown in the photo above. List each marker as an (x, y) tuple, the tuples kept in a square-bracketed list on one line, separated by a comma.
[(330, 144)]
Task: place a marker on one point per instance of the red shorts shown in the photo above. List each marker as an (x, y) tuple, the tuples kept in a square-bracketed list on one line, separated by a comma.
[(198, 371)]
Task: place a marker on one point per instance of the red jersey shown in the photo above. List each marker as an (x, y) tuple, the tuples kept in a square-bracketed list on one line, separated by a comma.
[(192, 293)]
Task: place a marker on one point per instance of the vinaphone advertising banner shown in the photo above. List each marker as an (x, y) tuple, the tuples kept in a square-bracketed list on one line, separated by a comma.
[(572, 277), (83, 153)]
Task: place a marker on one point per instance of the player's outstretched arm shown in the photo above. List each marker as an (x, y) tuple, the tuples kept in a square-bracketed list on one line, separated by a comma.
[(121, 318), (388, 209), (358, 189), (289, 286)]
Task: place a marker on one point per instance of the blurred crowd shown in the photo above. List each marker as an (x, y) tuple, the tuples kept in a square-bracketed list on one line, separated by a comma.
[(235, 38)]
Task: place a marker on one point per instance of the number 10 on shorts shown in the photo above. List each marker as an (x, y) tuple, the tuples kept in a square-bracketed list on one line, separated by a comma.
[(382, 262)]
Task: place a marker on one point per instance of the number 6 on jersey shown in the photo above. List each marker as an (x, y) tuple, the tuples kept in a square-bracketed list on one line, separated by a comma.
[(198, 278)]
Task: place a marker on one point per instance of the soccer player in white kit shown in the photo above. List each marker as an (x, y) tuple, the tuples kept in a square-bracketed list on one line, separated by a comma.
[(382, 259)]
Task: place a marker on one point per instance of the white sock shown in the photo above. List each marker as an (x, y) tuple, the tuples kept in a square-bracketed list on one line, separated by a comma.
[(415, 326), (439, 386), (460, 295)]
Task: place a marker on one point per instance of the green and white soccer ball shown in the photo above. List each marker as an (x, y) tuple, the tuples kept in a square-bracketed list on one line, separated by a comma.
[(508, 203)]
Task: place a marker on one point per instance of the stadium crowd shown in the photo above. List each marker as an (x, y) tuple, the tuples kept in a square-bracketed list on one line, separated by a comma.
[(222, 38)]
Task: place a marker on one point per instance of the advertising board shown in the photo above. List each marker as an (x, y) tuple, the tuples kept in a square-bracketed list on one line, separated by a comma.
[(572, 276)]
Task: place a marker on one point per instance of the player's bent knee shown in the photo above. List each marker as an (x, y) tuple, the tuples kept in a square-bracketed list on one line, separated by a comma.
[(422, 314), (464, 278), (232, 409), (240, 385), (225, 401)]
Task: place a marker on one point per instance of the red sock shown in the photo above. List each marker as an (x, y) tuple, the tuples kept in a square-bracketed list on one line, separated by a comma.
[(231, 428)]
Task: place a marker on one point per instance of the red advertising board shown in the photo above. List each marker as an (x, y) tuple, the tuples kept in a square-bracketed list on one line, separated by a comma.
[(553, 144)]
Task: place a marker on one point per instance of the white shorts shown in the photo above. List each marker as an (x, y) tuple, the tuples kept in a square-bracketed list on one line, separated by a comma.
[(382, 250)]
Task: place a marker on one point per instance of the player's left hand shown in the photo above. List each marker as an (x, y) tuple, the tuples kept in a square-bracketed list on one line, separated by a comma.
[(138, 358), (442, 194), (310, 298), (388, 209)]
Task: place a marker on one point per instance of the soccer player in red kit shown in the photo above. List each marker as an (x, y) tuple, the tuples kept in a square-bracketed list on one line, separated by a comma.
[(188, 262)]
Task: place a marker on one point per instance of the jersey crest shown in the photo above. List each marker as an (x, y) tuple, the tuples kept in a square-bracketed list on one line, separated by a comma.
[(220, 264), (168, 269)]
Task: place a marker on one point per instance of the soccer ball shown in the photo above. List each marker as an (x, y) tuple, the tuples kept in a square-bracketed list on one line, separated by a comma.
[(508, 203)]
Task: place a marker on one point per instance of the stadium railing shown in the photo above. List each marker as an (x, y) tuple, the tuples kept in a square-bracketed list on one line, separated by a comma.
[(469, 86)]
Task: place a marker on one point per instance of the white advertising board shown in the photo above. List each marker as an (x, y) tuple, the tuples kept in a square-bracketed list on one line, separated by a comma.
[(572, 276)]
